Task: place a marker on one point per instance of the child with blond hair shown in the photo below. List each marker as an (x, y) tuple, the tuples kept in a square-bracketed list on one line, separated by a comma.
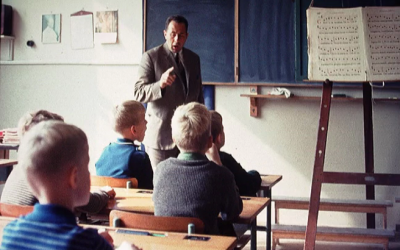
[(195, 185), (54, 158), (122, 158)]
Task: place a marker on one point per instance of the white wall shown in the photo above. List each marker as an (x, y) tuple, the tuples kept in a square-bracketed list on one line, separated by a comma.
[(281, 141)]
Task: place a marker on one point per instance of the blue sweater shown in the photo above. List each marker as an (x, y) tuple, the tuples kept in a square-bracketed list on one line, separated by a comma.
[(122, 159), (50, 227)]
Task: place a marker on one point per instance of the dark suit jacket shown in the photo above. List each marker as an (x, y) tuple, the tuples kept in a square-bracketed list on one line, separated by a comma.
[(163, 102)]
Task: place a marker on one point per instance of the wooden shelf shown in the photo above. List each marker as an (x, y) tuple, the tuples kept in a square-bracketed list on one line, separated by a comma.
[(254, 97)]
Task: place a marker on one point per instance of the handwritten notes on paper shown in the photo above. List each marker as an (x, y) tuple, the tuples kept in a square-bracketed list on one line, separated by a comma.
[(355, 44)]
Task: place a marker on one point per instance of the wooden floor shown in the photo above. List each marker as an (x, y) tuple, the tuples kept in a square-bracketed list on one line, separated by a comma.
[(298, 245)]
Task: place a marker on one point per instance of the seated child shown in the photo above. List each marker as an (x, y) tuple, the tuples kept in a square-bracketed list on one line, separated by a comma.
[(248, 182), (192, 185), (123, 159), (16, 189), (53, 157)]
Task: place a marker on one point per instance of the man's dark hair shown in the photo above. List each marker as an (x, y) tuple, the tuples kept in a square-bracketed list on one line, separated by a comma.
[(178, 19)]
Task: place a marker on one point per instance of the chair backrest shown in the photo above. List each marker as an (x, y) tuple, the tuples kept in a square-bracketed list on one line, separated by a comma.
[(158, 223), (12, 210), (112, 182)]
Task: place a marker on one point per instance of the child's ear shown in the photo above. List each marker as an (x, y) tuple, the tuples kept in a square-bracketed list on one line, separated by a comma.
[(73, 177), (210, 142), (133, 130), (217, 139)]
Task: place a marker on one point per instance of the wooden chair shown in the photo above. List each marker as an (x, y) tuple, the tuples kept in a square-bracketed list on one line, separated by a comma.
[(12, 210), (151, 222), (112, 182)]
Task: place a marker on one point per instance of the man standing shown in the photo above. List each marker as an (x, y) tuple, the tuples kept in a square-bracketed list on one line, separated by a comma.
[(169, 76)]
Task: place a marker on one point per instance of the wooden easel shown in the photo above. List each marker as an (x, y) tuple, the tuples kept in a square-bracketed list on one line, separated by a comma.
[(369, 178)]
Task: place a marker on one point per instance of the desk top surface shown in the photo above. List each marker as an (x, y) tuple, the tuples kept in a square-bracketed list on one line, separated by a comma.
[(169, 241), (8, 146), (7, 162), (140, 200), (268, 181)]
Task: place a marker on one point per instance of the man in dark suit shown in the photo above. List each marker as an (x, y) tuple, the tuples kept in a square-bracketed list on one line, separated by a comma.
[(169, 76)]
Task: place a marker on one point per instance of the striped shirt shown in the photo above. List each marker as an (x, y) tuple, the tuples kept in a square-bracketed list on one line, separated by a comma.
[(50, 227)]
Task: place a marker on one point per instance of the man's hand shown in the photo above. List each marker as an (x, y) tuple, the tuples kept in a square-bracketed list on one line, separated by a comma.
[(109, 190), (167, 78), (213, 155)]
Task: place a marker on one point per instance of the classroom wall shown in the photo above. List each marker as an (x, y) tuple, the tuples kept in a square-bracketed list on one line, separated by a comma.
[(83, 88)]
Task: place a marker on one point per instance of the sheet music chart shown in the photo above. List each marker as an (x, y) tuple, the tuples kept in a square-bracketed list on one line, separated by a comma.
[(383, 39), (336, 46), (354, 44)]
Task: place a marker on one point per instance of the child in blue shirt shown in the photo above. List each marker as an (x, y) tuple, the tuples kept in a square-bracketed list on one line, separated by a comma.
[(122, 158), (248, 182), (53, 157)]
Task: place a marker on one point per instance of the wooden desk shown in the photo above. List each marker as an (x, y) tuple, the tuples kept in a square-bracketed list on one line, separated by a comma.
[(140, 200), (169, 242), (7, 162), (5, 150), (267, 182)]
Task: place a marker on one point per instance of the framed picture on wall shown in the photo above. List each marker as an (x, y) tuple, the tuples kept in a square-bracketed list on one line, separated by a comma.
[(51, 28)]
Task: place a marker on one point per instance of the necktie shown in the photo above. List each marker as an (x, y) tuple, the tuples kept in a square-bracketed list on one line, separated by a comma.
[(181, 70)]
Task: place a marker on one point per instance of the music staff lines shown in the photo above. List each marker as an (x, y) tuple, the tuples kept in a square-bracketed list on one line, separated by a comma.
[(385, 70), (340, 71), (337, 28), (322, 19), (328, 39), (338, 50), (383, 17), (384, 38), (384, 27)]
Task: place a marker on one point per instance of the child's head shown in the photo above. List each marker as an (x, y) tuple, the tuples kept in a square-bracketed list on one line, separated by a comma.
[(31, 119), (129, 120), (54, 157), (191, 128), (217, 129)]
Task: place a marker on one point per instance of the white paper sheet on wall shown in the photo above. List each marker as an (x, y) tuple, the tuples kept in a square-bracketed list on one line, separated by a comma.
[(82, 30), (106, 27)]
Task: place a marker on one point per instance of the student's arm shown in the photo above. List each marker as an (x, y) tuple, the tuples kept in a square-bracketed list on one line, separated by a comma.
[(98, 200), (233, 205), (248, 182)]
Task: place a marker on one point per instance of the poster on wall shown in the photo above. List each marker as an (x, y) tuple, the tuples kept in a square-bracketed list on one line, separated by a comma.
[(106, 27), (82, 30), (51, 28)]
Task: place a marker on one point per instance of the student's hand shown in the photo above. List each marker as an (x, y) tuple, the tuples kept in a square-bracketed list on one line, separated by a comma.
[(109, 190), (213, 154), (106, 236), (167, 78), (128, 246)]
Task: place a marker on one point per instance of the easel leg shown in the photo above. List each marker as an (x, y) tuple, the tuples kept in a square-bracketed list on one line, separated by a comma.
[(316, 185), (369, 147)]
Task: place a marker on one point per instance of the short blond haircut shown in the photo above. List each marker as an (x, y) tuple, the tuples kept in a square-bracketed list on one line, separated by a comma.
[(126, 115), (191, 127), (30, 119), (50, 148), (216, 124)]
